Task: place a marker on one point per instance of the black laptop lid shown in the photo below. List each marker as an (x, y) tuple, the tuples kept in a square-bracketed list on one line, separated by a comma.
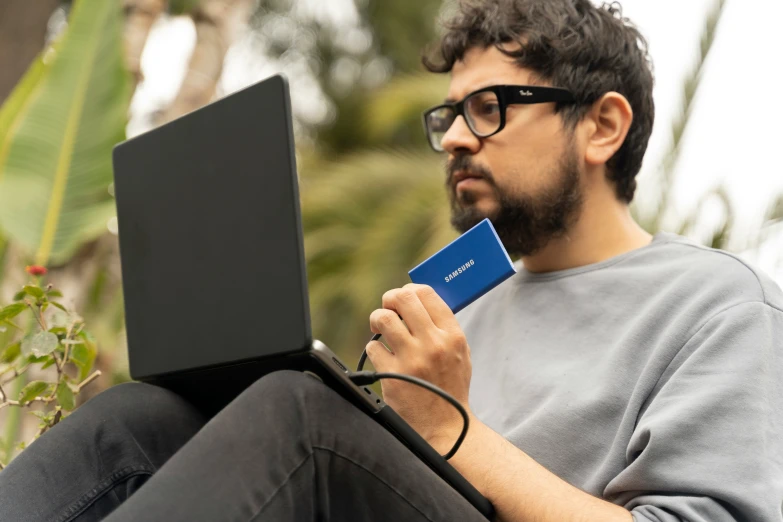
[(210, 236)]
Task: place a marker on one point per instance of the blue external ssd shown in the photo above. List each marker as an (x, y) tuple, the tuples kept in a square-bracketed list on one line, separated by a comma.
[(467, 268)]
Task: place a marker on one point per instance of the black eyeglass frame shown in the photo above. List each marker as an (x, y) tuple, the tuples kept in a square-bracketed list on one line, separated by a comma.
[(506, 95)]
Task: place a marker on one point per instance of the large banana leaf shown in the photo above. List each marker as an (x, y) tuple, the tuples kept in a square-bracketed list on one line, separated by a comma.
[(57, 130)]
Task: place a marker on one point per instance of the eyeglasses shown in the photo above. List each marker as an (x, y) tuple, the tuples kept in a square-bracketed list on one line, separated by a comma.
[(484, 110)]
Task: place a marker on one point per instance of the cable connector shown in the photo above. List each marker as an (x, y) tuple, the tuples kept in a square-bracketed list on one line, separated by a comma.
[(363, 378)]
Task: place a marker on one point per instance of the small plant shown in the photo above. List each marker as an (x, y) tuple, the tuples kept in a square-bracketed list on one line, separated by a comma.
[(44, 335)]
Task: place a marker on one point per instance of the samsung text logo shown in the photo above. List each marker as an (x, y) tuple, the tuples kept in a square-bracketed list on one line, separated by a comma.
[(459, 270)]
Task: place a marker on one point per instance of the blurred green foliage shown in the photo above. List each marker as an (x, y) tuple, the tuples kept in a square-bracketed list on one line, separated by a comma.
[(368, 217), (402, 29), (395, 32)]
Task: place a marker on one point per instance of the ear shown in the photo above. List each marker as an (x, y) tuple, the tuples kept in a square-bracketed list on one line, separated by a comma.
[(610, 118)]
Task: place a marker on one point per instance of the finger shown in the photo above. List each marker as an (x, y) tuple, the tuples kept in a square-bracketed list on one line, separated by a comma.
[(387, 323), (380, 357), (408, 305), (437, 309)]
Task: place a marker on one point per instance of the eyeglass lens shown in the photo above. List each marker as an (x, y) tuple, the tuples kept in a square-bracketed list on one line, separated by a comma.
[(438, 123), (482, 114)]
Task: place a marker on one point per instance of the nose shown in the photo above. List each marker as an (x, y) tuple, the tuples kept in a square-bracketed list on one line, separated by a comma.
[(459, 138)]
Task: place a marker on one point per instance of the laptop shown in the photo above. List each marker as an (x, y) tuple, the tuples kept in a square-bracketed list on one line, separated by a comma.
[(213, 265)]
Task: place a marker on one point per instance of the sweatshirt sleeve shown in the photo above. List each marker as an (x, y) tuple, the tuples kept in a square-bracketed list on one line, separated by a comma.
[(708, 443)]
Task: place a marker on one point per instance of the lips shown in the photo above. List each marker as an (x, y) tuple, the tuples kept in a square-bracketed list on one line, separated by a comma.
[(462, 175)]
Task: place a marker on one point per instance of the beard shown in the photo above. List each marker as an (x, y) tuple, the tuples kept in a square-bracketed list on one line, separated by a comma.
[(525, 223)]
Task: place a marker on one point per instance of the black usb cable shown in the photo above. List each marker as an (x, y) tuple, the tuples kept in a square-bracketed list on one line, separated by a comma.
[(363, 378), (363, 358)]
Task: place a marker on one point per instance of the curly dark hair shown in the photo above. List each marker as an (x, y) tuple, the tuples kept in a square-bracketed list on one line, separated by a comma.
[(572, 44)]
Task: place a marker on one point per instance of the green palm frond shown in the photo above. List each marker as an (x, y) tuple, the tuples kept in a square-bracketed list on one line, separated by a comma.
[(719, 232), (652, 221)]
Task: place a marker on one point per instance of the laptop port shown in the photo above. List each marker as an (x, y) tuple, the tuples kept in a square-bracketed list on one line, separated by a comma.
[(339, 364)]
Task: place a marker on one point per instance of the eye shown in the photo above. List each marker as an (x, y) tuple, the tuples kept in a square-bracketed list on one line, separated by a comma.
[(489, 108), (484, 105)]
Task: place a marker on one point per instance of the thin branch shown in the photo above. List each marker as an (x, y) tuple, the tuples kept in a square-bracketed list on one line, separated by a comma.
[(38, 316), (43, 321), (52, 398), (40, 432), (73, 330), (9, 322), (88, 380), (65, 353), (16, 374), (58, 415), (34, 400)]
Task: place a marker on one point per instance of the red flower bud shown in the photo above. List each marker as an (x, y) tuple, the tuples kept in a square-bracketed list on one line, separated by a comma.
[(35, 270)]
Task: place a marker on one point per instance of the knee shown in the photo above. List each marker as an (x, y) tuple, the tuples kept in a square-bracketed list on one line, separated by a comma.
[(137, 406), (135, 399), (287, 387), (287, 396)]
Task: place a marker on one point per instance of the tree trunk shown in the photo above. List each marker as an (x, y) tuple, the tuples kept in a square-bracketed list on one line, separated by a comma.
[(218, 23), (23, 25), (140, 15)]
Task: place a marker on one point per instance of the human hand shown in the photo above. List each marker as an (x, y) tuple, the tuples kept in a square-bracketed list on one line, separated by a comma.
[(429, 345)]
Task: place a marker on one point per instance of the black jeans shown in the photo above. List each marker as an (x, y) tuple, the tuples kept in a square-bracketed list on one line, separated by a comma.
[(288, 448)]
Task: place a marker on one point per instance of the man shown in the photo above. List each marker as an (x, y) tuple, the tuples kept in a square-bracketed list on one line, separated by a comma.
[(646, 372), (617, 377)]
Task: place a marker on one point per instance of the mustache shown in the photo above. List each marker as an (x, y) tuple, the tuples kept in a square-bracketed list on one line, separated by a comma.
[(465, 164)]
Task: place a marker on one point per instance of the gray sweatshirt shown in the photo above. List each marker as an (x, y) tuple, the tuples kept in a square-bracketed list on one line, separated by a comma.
[(653, 380)]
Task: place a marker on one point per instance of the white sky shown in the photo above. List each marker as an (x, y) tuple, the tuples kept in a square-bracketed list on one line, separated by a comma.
[(736, 123), (736, 129)]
